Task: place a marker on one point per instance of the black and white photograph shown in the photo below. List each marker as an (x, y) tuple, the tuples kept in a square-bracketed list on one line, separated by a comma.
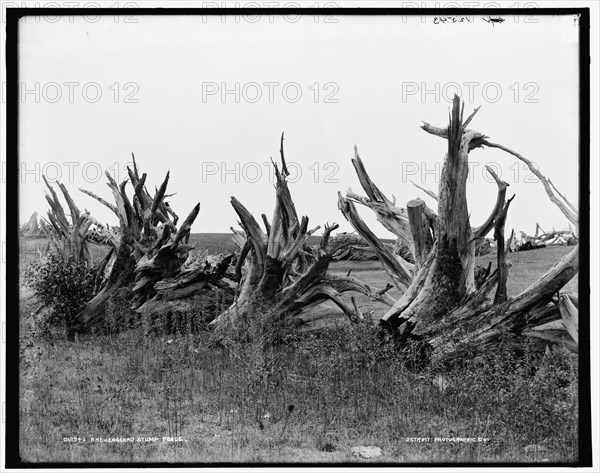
[(300, 234)]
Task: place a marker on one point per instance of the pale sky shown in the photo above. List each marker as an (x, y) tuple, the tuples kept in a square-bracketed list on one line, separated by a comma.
[(366, 80)]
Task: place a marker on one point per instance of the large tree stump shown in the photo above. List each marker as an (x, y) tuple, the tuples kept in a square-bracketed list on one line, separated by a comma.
[(149, 253), (278, 281), (67, 235), (442, 306)]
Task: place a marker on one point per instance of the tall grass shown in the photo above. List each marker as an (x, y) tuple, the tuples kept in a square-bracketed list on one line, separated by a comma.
[(309, 398)]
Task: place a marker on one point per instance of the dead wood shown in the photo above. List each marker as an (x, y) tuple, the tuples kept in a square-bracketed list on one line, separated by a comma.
[(442, 306)]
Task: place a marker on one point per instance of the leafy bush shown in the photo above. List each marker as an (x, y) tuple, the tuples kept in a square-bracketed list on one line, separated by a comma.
[(62, 285)]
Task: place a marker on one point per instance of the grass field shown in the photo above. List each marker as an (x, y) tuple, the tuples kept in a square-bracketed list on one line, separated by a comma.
[(310, 400), (211, 243)]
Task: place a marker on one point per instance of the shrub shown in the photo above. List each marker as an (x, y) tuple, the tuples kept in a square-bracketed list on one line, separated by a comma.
[(62, 285)]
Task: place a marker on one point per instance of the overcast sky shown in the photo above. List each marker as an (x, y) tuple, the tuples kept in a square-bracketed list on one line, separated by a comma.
[(208, 97)]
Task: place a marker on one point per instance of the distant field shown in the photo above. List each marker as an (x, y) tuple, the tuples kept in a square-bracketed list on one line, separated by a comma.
[(212, 243), (527, 267), (223, 242)]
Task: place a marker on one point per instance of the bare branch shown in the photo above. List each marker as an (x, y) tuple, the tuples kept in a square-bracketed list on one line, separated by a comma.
[(431, 194), (570, 316), (398, 269), (484, 229), (101, 200), (159, 195), (186, 225), (468, 120), (501, 294), (348, 283), (253, 231), (327, 234), (72, 207), (434, 130), (563, 197), (284, 168), (367, 184), (267, 224), (565, 208), (240, 262)]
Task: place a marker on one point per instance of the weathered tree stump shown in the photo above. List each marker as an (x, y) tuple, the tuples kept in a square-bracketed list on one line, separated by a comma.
[(150, 255), (277, 280), (442, 306)]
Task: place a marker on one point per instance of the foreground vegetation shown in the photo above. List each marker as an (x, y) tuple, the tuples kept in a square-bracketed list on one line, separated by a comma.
[(308, 398)]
